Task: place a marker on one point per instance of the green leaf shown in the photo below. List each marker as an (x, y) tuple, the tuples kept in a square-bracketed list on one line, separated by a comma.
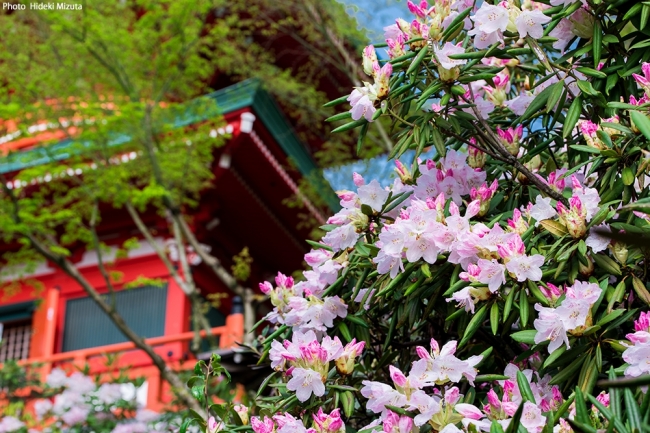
[(592, 72), (496, 427), (554, 356), (572, 116), (494, 318), (185, 424), (473, 325), (628, 176), (553, 98), (583, 148), (362, 135), (490, 377), (524, 387), (526, 337), (459, 18), (318, 245), (642, 122), (597, 41), (540, 100), (632, 406), (418, 59), (347, 400), (524, 308), (337, 101), (606, 263), (340, 116), (349, 126), (345, 332)]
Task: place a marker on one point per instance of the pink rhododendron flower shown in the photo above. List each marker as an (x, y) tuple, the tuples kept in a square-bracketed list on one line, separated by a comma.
[(305, 382), (373, 195), (362, 101), (530, 23), (644, 80)]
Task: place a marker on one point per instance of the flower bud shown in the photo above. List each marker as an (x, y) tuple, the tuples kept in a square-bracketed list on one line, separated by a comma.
[(619, 251), (381, 80), (345, 363), (588, 269), (369, 59), (398, 377), (403, 172), (332, 423), (510, 138), (242, 411), (476, 157), (573, 218)]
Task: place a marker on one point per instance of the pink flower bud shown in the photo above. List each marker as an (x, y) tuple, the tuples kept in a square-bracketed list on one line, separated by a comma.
[(493, 399), (435, 348), (266, 287), (358, 179), (452, 395), (422, 352), (398, 377), (260, 426), (643, 323)]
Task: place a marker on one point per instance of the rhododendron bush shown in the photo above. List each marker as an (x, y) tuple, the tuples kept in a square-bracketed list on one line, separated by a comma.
[(500, 285), (75, 402)]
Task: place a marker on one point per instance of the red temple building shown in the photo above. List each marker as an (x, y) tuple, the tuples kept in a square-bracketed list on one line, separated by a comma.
[(59, 325)]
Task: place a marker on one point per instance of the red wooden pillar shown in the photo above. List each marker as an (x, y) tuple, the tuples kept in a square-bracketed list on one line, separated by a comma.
[(44, 330)]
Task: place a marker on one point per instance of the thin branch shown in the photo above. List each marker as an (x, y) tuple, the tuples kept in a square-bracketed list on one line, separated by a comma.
[(100, 261)]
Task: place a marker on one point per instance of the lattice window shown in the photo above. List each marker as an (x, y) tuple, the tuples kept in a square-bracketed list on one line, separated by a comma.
[(15, 341)]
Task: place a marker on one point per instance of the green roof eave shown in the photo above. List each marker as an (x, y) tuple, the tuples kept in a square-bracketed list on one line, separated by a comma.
[(248, 93)]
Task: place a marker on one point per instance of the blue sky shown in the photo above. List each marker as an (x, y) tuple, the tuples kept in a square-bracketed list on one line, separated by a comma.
[(376, 14)]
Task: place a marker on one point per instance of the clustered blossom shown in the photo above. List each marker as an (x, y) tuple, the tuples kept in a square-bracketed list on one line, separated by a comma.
[(583, 205), (437, 366), (637, 355), (307, 361), (362, 99), (286, 423), (80, 396), (302, 305), (572, 316)]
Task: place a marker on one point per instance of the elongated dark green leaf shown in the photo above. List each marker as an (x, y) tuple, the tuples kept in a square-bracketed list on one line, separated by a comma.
[(494, 318), (523, 308), (473, 325), (490, 377), (418, 59), (526, 337), (572, 116), (632, 408), (568, 371), (362, 135), (554, 97), (540, 100), (581, 408), (337, 101), (524, 387), (339, 116), (642, 122), (597, 40), (349, 126)]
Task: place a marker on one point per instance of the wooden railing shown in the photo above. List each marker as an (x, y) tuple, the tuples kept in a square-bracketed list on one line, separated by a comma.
[(96, 357)]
